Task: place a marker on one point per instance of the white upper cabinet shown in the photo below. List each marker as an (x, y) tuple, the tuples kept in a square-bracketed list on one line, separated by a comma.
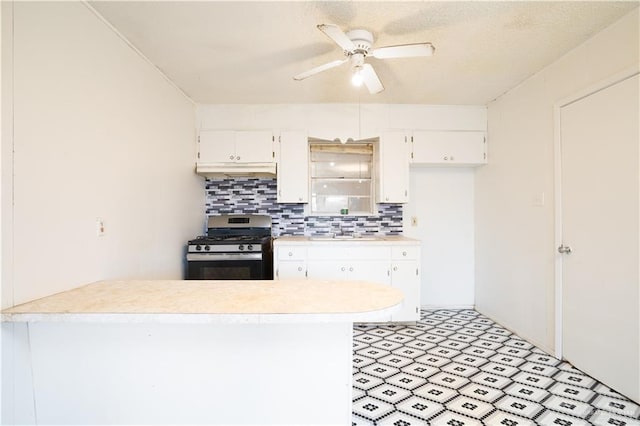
[(393, 167), (293, 167), (231, 146), (449, 147)]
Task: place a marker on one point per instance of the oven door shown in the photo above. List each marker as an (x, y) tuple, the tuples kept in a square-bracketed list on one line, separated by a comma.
[(227, 266)]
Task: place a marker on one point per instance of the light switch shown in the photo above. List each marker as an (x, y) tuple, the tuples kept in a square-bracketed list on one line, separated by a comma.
[(538, 199)]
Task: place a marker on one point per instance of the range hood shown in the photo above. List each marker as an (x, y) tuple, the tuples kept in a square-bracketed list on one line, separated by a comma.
[(218, 170)]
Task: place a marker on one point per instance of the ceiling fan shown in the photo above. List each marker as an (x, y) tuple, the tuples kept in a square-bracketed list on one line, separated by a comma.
[(356, 46)]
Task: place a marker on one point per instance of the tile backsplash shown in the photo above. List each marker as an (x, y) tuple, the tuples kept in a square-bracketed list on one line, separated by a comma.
[(258, 195)]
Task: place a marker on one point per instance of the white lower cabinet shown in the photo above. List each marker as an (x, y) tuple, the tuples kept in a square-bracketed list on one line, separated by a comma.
[(292, 270), (405, 275), (290, 262), (387, 263)]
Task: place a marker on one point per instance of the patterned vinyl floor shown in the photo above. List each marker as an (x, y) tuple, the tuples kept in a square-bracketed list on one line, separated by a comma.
[(459, 368)]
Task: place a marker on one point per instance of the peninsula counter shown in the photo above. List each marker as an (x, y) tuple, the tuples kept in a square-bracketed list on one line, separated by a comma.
[(190, 352)]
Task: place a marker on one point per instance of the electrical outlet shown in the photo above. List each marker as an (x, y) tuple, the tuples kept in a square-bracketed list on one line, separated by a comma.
[(100, 230), (414, 220)]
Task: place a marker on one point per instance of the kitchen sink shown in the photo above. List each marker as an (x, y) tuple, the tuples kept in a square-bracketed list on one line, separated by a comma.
[(345, 238)]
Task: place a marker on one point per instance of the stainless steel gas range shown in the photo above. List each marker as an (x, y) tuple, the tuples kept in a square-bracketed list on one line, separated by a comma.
[(236, 247)]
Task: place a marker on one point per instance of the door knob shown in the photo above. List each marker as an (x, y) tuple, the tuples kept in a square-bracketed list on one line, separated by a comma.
[(564, 249)]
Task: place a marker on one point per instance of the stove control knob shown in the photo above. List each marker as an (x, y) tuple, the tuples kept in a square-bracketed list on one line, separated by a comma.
[(241, 247), (198, 248), (250, 247), (207, 248)]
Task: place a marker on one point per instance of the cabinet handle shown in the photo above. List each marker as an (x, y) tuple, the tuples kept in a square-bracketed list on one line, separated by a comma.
[(299, 198), (342, 269), (404, 253), (395, 268), (299, 268), (446, 158), (387, 199), (351, 269), (231, 157), (290, 254), (238, 157), (452, 158)]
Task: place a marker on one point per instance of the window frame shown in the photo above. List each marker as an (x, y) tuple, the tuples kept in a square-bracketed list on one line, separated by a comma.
[(312, 205)]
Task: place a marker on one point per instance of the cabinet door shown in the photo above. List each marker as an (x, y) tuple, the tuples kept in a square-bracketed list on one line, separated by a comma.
[(327, 270), (404, 276), (217, 146), (448, 147), (293, 168), (254, 146), (377, 271), (393, 166), (291, 270)]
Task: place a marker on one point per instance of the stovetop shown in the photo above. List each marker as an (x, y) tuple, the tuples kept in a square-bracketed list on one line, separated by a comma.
[(228, 239), (234, 234)]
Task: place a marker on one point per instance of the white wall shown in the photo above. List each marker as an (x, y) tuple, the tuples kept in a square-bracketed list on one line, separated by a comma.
[(98, 132), (515, 249), (441, 198), (89, 129), (442, 204)]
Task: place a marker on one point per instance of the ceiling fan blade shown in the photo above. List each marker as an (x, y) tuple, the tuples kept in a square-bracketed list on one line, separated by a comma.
[(371, 80), (404, 51), (338, 36), (321, 68)]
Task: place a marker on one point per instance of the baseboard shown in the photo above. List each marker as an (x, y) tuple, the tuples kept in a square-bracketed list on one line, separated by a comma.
[(435, 307)]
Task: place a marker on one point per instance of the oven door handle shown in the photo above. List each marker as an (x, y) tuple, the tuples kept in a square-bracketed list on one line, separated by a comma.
[(212, 257)]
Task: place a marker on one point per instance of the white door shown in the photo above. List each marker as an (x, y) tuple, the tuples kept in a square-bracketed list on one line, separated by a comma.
[(599, 139)]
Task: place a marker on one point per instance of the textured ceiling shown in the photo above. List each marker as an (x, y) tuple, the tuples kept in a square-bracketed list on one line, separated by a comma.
[(247, 52)]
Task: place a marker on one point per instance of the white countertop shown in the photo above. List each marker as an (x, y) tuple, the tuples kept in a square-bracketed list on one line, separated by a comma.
[(383, 239), (178, 301)]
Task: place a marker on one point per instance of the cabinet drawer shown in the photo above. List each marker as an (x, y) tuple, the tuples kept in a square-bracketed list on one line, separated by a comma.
[(405, 253), (292, 253)]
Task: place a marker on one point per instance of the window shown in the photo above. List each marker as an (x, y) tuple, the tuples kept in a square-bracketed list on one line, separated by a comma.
[(341, 178)]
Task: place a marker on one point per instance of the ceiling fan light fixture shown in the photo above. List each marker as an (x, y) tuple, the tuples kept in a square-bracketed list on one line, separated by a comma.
[(356, 45), (357, 78)]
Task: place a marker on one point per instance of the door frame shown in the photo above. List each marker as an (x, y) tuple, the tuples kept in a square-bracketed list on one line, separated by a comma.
[(557, 152)]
